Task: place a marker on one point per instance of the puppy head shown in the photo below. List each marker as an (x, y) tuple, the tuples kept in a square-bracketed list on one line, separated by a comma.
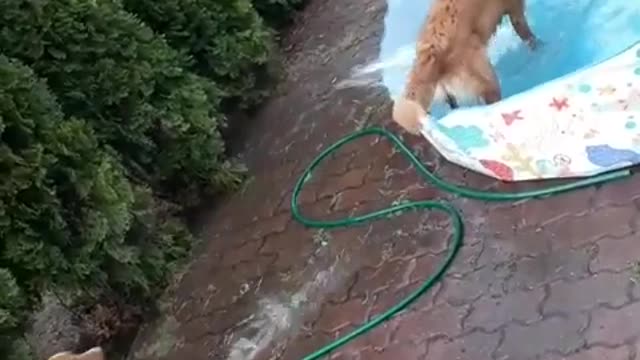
[(409, 114), (95, 353)]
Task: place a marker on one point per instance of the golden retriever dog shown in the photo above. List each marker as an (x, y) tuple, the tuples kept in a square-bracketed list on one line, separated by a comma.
[(451, 56)]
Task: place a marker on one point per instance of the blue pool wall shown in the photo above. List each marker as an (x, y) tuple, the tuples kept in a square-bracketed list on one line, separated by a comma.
[(575, 34)]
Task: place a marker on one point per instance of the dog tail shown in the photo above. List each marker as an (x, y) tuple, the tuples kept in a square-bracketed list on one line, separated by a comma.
[(408, 114), (414, 104)]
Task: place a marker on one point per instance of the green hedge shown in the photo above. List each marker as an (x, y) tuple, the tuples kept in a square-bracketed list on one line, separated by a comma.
[(62, 198), (61, 195), (278, 13), (104, 127), (69, 218), (109, 68), (13, 313), (226, 41)]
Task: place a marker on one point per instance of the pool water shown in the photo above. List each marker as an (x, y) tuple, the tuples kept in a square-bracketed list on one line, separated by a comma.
[(575, 34)]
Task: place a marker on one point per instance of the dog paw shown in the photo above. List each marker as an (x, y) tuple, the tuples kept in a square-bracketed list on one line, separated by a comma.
[(535, 44)]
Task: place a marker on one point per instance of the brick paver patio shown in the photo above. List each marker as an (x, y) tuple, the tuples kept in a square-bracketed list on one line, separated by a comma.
[(546, 279)]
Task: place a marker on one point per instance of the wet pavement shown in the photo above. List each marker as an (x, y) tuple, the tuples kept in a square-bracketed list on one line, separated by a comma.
[(539, 279)]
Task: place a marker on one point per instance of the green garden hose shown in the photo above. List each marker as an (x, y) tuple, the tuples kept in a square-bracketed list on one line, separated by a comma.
[(456, 218)]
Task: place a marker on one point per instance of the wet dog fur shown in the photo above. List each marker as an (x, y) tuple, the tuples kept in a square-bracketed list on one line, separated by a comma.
[(451, 56)]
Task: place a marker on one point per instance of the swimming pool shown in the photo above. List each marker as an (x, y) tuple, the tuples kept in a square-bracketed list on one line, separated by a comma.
[(576, 33), (569, 109)]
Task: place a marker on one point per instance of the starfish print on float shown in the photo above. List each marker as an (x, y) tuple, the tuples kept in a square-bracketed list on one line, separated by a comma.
[(559, 104), (510, 118)]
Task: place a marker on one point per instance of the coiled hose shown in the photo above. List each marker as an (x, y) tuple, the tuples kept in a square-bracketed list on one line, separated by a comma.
[(447, 208)]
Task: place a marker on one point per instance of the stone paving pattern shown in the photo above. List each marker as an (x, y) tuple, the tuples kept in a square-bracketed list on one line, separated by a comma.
[(539, 279)]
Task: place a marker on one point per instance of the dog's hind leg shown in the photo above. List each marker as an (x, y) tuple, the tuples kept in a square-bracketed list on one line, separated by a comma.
[(481, 77)]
